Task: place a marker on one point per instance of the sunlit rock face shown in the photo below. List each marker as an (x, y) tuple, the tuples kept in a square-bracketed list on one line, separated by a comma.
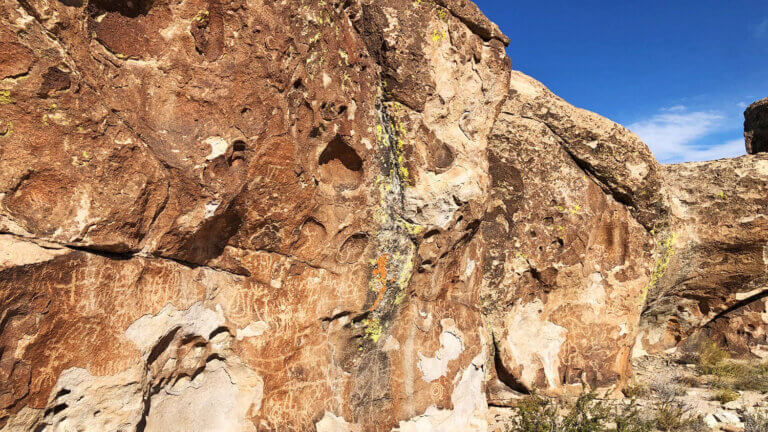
[(332, 216), (711, 272), (566, 263), (244, 215)]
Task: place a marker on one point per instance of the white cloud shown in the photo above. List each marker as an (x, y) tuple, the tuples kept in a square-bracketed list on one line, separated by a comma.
[(672, 134), (762, 29), (728, 149)]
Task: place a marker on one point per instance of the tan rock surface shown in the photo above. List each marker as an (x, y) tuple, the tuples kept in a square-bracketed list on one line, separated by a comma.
[(711, 270), (258, 216), (566, 263), (247, 216)]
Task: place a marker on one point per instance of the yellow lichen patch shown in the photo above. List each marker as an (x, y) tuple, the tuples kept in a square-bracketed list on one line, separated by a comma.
[(662, 263), (5, 97), (202, 16), (373, 329), (437, 35)]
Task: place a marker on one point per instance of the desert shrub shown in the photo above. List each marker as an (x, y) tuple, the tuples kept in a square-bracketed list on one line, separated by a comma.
[(586, 414), (628, 418), (535, 414), (756, 421), (725, 395), (689, 380), (672, 415), (636, 390), (733, 375), (712, 357)]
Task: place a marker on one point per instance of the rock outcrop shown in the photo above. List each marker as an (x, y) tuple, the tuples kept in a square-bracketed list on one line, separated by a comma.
[(332, 216), (566, 262), (711, 271), (756, 127), (244, 216)]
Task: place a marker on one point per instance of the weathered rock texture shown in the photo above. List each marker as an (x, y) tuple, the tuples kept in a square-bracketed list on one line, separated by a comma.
[(756, 127), (711, 271), (566, 262), (244, 215), (258, 216)]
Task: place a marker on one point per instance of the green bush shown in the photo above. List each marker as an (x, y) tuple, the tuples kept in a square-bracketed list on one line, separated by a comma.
[(587, 414), (712, 357), (672, 416), (725, 395)]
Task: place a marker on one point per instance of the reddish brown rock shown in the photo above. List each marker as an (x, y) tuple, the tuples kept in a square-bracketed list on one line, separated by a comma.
[(251, 216), (616, 158), (756, 127), (231, 203)]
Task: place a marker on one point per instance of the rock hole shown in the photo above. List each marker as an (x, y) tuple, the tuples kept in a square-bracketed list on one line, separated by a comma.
[(219, 331), (431, 233), (238, 151), (341, 165), (62, 392), (298, 84), (352, 249), (56, 409), (129, 8)]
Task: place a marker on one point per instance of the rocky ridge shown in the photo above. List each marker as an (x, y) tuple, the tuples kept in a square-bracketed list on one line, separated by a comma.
[(334, 216)]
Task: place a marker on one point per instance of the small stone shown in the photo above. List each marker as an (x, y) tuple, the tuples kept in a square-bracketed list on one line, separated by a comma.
[(727, 417), (710, 420)]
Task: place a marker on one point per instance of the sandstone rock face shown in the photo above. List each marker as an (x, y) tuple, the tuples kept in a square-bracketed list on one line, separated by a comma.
[(332, 216), (711, 270), (615, 158), (756, 127), (244, 215), (566, 262)]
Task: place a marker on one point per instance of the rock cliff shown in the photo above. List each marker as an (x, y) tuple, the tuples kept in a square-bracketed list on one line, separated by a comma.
[(257, 216)]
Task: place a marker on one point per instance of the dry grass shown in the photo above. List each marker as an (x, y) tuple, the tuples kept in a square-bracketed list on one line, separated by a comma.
[(714, 361), (725, 395)]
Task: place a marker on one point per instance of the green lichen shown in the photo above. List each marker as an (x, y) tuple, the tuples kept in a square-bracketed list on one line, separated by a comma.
[(720, 195), (662, 262), (5, 97), (373, 328)]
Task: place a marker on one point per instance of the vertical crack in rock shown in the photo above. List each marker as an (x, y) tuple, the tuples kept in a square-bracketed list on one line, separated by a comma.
[(392, 269)]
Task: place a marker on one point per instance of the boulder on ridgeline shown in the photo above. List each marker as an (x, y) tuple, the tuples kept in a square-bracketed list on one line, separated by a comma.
[(756, 127)]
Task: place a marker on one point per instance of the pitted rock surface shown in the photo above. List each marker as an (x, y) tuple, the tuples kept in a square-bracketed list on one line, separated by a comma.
[(333, 216)]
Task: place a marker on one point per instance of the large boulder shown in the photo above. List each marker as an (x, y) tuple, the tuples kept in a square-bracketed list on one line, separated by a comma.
[(244, 215), (566, 262), (710, 277), (756, 127)]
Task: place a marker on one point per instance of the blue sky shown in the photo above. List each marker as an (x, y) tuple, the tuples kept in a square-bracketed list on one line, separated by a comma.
[(679, 73)]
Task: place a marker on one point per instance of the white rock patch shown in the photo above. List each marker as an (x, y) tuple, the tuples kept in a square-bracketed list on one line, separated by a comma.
[(451, 346), (533, 343), (218, 147)]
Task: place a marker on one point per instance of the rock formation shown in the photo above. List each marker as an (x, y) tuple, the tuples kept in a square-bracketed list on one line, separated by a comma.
[(711, 270), (257, 216), (756, 127)]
